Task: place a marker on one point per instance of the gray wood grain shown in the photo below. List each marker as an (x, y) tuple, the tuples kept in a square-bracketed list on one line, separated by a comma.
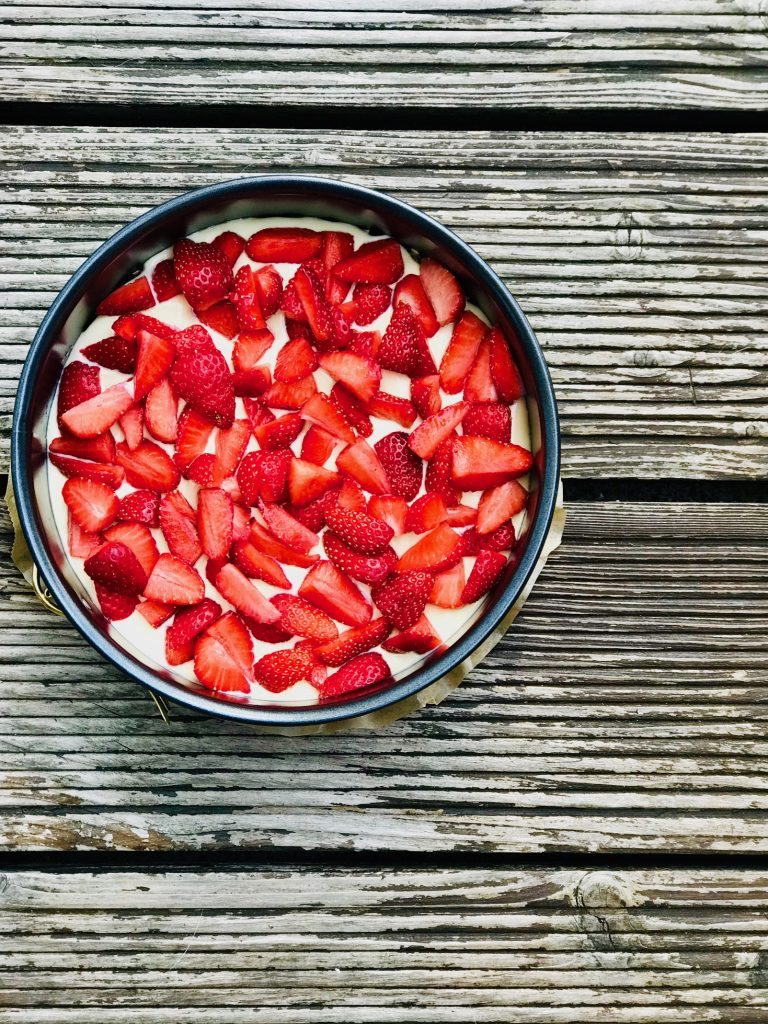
[(640, 259)]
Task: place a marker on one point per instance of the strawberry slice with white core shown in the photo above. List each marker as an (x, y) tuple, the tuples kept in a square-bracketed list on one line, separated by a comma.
[(230, 446), (288, 529), (266, 542), (410, 290), (480, 463), (97, 449), (376, 262), (506, 375), (284, 245), (479, 386), (321, 411), (426, 513), (306, 481), (437, 550), (391, 509), (295, 360), (194, 431), (461, 352), (153, 361), (82, 543), (174, 582), (92, 505), (448, 587), (256, 564), (361, 375), (148, 466), (132, 425), (214, 521), (443, 290), (81, 469), (361, 463), (128, 298), (240, 592), (311, 293), (335, 594), (499, 504), (96, 415), (178, 522), (426, 438), (161, 412), (224, 656)]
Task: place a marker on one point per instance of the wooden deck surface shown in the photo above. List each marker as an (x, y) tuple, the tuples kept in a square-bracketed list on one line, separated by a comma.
[(580, 832)]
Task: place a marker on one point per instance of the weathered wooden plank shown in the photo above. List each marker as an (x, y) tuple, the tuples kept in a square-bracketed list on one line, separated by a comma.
[(626, 710), (639, 259)]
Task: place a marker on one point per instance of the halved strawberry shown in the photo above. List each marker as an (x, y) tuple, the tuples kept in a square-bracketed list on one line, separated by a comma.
[(480, 463), (350, 495), (360, 673), (319, 409), (139, 539), (317, 445), (361, 375), (461, 515), (203, 273), (153, 361), (269, 289), (200, 375), (290, 396), (479, 386), (279, 433), (448, 587), (255, 563), (264, 475), (287, 529), (439, 468), (128, 298), (201, 470), (461, 352), (443, 290), (426, 513), (391, 509), (160, 412), (231, 244), (426, 438), (266, 542), (402, 467), (230, 446), (174, 582), (129, 326), (115, 567), (425, 395), (81, 543), (280, 669), (362, 464), (311, 293), (489, 419), (312, 515), (97, 449), (437, 550), (361, 532), (306, 481), (112, 476), (115, 606), (155, 613), (403, 348), (403, 597), (419, 639), (222, 318), (300, 618), (188, 624), (92, 505), (193, 434), (390, 407), (295, 360), (353, 642), (214, 521), (410, 290), (364, 568), (224, 656), (164, 283), (375, 262), (139, 507), (499, 504), (78, 383), (249, 349), (241, 593), (284, 245), (96, 415), (257, 412), (337, 245), (369, 301), (487, 569), (506, 375), (148, 466), (132, 425), (178, 521), (352, 409), (334, 593), (115, 353)]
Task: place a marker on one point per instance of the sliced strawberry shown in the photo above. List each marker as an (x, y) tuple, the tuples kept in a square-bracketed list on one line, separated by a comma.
[(461, 352), (361, 673), (78, 383), (115, 353), (139, 539), (351, 409), (365, 343), (252, 383), (189, 624), (461, 515), (300, 618), (480, 463), (129, 326), (410, 290), (362, 464), (403, 348), (426, 513), (448, 587), (376, 262), (231, 244), (203, 273), (115, 606), (269, 289), (363, 533), (506, 375), (92, 505), (256, 564), (132, 425), (353, 642), (160, 412), (487, 569), (115, 567), (178, 521), (96, 415), (364, 568), (312, 515), (230, 447), (402, 467), (249, 349), (311, 294), (425, 395), (224, 656), (291, 306), (214, 521), (148, 466), (194, 431), (201, 377), (419, 639), (337, 245), (128, 298), (391, 509), (334, 593), (280, 669), (257, 412), (350, 495), (479, 386), (287, 529), (266, 542), (290, 396), (403, 597), (164, 283), (222, 318), (112, 476), (201, 470), (153, 361), (241, 521), (82, 543), (358, 373), (438, 477), (390, 407), (155, 613), (139, 507), (97, 449), (295, 360), (264, 475), (306, 481), (443, 291), (437, 550), (369, 301), (279, 433), (320, 410), (174, 582), (240, 592), (317, 445), (284, 245), (489, 419), (499, 504), (426, 438)]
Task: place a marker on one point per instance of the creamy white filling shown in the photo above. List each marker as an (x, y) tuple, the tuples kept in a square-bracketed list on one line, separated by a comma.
[(448, 623)]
